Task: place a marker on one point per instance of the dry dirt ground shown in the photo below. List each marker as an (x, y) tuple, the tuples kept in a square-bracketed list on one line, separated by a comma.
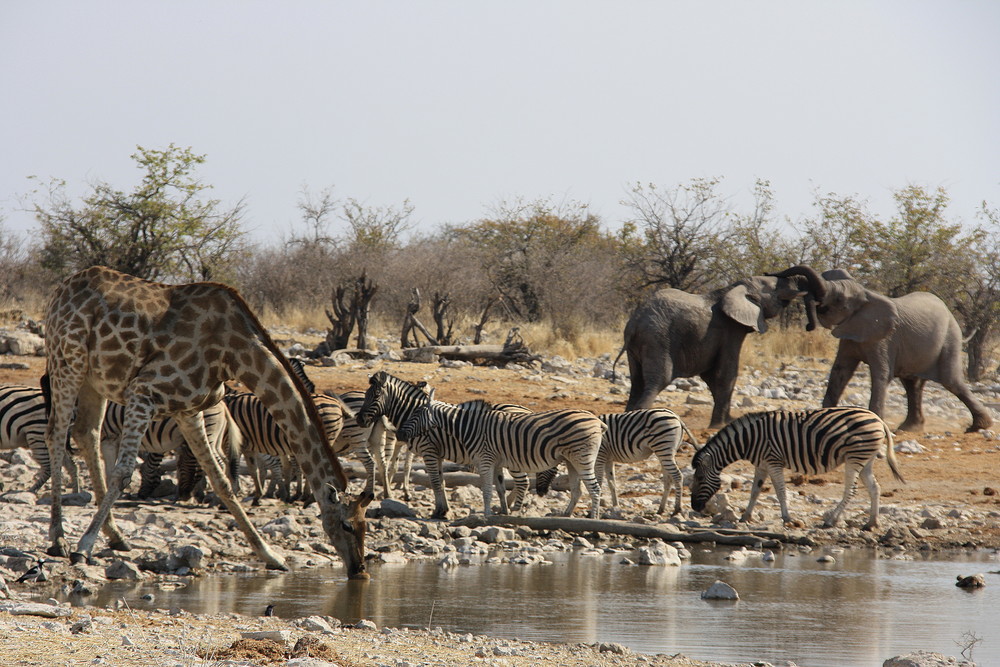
[(956, 471)]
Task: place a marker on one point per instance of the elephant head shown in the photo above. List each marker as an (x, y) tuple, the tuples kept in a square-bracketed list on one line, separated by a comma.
[(843, 305), (756, 299)]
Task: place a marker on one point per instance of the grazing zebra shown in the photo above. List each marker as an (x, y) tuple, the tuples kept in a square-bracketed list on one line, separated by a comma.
[(395, 400), (527, 442), (164, 435), (808, 442), (22, 424), (635, 436)]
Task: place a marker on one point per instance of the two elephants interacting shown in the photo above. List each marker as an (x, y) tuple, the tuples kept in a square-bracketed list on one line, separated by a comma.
[(915, 337)]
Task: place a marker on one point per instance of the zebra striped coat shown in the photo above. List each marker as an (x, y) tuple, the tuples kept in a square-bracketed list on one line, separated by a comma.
[(635, 436), (22, 424), (527, 442), (808, 442), (395, 400), (163, 436)]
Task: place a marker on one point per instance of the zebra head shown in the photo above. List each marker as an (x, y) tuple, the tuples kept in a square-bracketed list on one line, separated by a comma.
[(706, 480), (421, 420), (374, 405)]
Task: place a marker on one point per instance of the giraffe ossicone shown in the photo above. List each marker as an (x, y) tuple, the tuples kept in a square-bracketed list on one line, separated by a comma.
[(165, 351)]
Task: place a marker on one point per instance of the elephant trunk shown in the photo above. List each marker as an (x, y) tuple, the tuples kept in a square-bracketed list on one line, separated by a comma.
[(815, 286), (810, 302)]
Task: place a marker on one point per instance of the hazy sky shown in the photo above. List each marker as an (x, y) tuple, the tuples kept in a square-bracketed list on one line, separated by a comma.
[(458, 105)]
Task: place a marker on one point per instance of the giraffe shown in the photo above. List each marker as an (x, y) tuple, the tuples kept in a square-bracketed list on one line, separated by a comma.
[(165, 350)]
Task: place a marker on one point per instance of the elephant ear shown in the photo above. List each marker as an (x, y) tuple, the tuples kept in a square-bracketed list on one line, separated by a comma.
[(736, 304), (875, 319)]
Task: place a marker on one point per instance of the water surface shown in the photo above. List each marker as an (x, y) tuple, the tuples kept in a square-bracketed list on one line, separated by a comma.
[(859, 610)]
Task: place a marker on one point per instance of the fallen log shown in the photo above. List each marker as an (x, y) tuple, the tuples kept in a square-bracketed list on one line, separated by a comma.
[(613, 527)]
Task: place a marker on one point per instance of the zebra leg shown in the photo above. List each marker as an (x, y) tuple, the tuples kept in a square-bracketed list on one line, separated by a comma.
[(778, 480), (501, 486), (369, 465), (759, 475), (850, 484), (407, 470), (520, 490), (376, 447), (671, 477), (434, 470), (868, 476), (574, 489), (487, 476)]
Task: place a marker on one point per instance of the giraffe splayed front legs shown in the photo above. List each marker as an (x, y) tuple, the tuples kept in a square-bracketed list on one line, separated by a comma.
[(165, 351)]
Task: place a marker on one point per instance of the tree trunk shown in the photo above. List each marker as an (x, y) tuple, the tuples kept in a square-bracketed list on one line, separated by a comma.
[(364, 292)]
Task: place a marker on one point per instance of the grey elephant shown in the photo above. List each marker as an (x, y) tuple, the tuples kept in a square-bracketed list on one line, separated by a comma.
[(676, 334), (913, 337)]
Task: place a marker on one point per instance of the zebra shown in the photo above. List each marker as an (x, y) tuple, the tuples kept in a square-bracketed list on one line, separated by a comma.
[(261, 433), (163, 436), (23, 420), (635, 436), (394, 400), (806, 441), (370, 442), (436, 446), (527, 442)]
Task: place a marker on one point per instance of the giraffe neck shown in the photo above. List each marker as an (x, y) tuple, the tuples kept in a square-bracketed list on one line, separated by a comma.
[(292, 409)]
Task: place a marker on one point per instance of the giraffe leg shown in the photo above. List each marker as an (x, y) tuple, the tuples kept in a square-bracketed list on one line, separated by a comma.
[(86, 430), (193, 429), (55, 437)]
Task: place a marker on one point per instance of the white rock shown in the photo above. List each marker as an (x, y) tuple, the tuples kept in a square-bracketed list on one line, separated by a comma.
[(658, 553), (282, 636), (720, 590)]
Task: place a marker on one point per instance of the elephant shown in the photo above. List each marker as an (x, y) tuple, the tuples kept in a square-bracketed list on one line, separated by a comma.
[(676, 334), (913, 337)]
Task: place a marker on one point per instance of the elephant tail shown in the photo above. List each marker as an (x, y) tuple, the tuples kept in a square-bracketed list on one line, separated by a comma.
[(620, 352), (890, 453)]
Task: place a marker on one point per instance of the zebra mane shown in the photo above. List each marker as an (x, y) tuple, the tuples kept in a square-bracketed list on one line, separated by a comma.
[(476, 404)]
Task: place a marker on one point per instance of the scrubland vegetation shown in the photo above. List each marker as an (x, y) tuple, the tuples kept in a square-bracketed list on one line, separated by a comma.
[(567, 278)]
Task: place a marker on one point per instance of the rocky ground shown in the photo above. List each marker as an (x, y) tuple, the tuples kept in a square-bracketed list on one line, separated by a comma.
[(950, 500)]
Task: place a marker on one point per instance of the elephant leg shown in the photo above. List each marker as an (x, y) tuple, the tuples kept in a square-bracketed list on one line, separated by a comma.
[(649, 377), (840, 374), (981, 417), (914, 404), (881, 378), (721, 382)]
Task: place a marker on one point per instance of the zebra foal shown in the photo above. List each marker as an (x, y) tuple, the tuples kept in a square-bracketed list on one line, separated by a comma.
[(526, 442), (807, 442)]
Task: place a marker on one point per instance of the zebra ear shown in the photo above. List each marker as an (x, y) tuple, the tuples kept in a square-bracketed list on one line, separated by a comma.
[(430, 395)]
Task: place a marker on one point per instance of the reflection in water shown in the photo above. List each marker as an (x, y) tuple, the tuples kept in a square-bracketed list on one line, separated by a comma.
[(859, 610)]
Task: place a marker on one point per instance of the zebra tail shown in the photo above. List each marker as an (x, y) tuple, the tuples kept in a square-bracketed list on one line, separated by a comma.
[(890, 454), (693, 440)]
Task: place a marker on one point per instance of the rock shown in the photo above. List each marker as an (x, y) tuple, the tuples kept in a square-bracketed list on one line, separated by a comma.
[(694, 399), (393, 509), (716, 504), (925, 659), (611, 647), (315, 624), (85, 624), (81, 499), (284, 526), (22, 343), (20, 498), (497, 534), (280, 636), (658, 553), (971, 581), (35, 609), (931, 523), (450, 560), (365, 624), (190, 556), (123, 569), (826, 558), (720, 590), (910, 447)]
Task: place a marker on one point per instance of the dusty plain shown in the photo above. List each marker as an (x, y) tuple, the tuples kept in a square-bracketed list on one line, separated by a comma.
[(954, 478)]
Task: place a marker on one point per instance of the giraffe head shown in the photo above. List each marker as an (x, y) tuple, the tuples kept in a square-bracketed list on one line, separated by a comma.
[(344, 522)]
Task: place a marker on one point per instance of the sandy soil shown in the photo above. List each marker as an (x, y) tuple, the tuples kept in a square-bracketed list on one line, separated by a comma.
[(957, 471)]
